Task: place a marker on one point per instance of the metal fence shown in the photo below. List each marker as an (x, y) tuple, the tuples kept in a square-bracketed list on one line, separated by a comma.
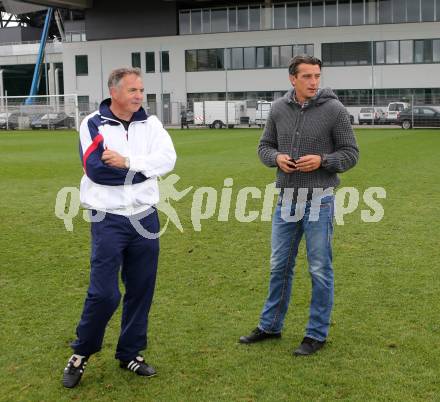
[(64, 111), (403, 112), (399, 112), (39, 112)]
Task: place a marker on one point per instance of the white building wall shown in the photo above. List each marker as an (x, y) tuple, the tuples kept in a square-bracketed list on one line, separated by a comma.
[(103, 56)]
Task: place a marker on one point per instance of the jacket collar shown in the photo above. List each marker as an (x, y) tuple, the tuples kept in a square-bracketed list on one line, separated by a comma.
[(105, 112), (290, 97)]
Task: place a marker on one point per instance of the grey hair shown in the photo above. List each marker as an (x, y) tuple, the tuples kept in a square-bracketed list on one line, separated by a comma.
[(117, 74)]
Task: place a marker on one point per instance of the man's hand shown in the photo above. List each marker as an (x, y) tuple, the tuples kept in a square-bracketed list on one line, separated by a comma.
[(285, 163), (113, 159), (308, 163)]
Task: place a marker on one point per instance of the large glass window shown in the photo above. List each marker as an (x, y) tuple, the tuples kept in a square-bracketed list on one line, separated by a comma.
[(424, 50), (184, 22), (279, 16), (399, 11), (212, 59), (370, 12), (310, 50), (326, 54), (344, 12), (264, 56), (275, 56), (406, 51), (243, 58), (149, 62), (427, 51), (392, 51), (317, 13), (357, 53), (357, 12), (220, 58), (413, 11), (82, 65), (191, 60), (136, 60), (418, 51), (254, 18), (285, 55), (202, 60), (232, 19), (196, 21), (380, 53), (206, 20), (237, 58), (228, 59), (436, 50), (428, 10), (331, 17), (249, 57), (304, 14), (165, 61), (219, 20), (385, 15), (298, 50), (350, 53), (338, 54), (292, 15), (242, 19)]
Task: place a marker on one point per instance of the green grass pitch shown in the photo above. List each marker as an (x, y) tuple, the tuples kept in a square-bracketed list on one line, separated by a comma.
[(385, 332)]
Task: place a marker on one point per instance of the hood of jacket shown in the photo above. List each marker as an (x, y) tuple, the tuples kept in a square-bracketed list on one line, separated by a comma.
[(323, 95)]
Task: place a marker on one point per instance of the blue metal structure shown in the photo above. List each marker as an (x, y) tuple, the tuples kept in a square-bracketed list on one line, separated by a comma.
[(36, 77)]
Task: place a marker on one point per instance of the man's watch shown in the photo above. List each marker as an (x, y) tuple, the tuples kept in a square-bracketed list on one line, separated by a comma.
[(127, 162)]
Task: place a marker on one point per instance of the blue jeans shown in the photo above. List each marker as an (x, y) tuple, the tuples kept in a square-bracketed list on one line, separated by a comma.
[(317, 226)]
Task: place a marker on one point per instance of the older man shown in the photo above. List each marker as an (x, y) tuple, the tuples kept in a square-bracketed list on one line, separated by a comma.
[(123, 151), (308, 137)]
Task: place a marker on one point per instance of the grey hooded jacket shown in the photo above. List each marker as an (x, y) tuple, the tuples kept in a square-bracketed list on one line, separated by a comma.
[(322, 127)]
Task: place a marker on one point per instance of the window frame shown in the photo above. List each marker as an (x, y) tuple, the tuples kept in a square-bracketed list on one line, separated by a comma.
[(84, 70)]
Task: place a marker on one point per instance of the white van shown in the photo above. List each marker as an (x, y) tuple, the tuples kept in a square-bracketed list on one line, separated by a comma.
[(394, 108)]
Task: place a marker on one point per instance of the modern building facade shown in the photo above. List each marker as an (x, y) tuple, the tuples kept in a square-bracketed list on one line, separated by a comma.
[(372, 50)]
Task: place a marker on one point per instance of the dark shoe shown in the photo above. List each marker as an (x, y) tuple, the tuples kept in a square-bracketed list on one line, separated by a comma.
[(74, 370), (258, 335), (139, 366), (308, 347)]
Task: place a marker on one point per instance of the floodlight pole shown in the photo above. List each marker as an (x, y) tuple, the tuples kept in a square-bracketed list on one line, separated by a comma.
[(226, 85), (372, 77), (7, 113)]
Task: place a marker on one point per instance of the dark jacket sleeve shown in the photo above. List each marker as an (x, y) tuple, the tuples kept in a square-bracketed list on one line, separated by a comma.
[(268, 146), (346, 151), (91, 149)]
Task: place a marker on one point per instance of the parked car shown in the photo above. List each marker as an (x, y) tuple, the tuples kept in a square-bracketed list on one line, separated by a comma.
[(10, 120), (394, 108), (371, 115), (419, 116), (53, 120)]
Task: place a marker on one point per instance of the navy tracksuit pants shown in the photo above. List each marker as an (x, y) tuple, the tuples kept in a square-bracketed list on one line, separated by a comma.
[(118, 247)]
